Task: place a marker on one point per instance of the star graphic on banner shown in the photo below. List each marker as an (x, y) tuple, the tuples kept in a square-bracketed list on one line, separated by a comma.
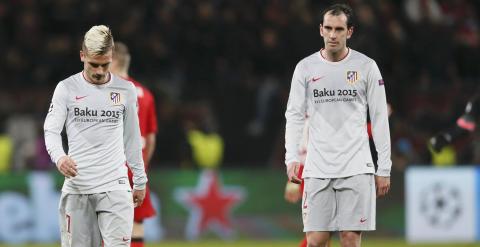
[(210, 204)]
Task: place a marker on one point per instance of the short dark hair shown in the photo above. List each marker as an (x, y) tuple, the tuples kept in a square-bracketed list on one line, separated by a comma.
[(338, 9)]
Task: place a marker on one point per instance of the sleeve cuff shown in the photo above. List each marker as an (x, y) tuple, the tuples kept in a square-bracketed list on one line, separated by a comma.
[(383, 172), (57, 157), (291, 160), (139, 187)]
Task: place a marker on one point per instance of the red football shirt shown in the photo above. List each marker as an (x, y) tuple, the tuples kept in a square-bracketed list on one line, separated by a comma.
[(147, 115)]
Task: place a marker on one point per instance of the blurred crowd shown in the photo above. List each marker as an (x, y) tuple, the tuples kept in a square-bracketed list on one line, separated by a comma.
[(223, 67)]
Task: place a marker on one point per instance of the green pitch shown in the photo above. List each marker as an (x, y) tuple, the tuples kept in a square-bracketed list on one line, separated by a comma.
[(366, 243)]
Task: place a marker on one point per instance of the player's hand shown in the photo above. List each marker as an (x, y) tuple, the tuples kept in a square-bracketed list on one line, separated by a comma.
[(438, 142), (292, 172), (292, 192), (138, 196), (382, 184), (67, 166)]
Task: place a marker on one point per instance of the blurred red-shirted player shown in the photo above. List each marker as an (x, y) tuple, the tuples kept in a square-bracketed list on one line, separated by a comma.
[(148, 127)]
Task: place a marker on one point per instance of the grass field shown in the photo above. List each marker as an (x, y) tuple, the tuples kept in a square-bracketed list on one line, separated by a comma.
[(366, 243)]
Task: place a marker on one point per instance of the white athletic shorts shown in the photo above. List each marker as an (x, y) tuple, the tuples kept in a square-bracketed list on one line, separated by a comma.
[(86, 220), (339, 204)]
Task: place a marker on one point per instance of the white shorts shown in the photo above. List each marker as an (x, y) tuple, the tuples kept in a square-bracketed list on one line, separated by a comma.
[(339, 204), (86, 220)]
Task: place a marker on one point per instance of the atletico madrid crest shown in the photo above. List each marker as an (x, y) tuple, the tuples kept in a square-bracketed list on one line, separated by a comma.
[(115, 97), (352, 77)]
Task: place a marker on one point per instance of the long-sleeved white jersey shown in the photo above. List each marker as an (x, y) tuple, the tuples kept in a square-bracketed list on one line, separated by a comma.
[(336, 97), (103, 134)]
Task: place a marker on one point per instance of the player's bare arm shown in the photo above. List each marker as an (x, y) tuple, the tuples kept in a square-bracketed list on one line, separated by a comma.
[(149, 147), (67, 166), (292, 172), (138, 196), (382, 185)]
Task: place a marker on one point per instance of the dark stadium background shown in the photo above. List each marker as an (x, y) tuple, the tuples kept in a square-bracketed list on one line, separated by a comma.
[(226, 66)]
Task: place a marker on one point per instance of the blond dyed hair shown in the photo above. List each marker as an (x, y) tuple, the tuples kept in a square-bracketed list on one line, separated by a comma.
[(98, 40)]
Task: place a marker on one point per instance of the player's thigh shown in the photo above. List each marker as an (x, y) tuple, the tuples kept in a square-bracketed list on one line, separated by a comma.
[(356, 202), (318, 205), (138, 230), (115, 217), (78, 221), (350, 238), (318, 238)]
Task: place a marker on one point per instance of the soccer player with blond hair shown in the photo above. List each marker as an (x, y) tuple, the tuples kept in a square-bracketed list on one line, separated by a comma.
[(99, 112)]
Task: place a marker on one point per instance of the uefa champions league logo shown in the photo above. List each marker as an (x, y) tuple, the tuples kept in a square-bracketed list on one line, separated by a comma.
[(441, 204)]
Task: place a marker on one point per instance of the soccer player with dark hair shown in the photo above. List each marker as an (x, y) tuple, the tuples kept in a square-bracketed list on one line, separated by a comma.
[(336, 87)]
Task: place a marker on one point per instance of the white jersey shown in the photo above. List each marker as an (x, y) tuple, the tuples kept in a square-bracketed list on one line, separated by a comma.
[(302, 150), (103, 134), (336, 96)]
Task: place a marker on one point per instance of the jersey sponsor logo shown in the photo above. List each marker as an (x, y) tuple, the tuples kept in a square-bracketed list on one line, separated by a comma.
[(352, 77), (80, 97), (337, 95), (339, 92), (115, 97), (362, 220), (87, 112), (126, 239), (381, 82)]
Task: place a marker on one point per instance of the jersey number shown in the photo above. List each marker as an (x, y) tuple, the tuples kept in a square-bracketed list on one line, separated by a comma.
[(68, 223)]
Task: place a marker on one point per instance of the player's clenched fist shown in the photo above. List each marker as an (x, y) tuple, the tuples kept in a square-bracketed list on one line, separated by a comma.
[(292, 172), (138, 196), (67, 166), (382, 185)]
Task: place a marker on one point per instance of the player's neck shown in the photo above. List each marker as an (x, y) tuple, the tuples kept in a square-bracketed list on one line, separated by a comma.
[(124, 75), (91, 81), (334, 56)]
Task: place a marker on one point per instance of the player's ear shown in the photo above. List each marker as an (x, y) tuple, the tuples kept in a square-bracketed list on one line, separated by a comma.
[(349, 32), (320, 27), (82, 56)]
